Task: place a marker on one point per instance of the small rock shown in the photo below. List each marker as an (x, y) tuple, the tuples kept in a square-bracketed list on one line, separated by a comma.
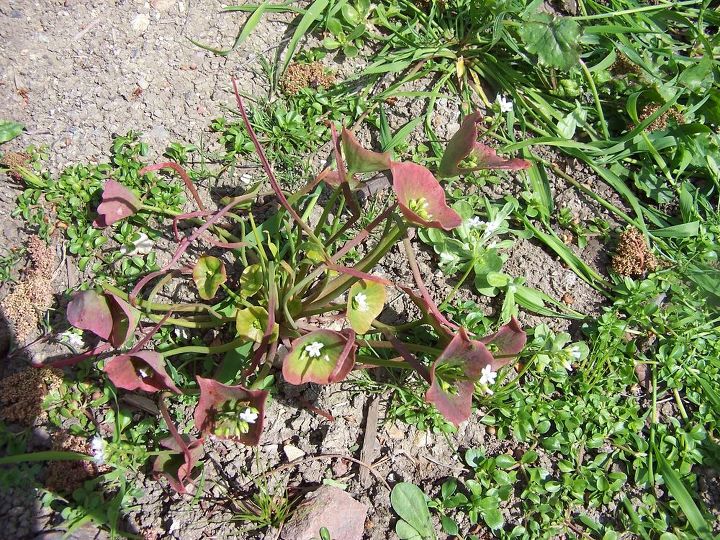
[(395, 433), (329, 507), (292, 452), (140, 23)]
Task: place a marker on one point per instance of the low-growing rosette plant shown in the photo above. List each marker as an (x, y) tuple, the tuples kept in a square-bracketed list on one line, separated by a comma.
[(285, 294)]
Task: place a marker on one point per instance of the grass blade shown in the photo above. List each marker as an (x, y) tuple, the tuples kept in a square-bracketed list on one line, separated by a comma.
[(49, 455), (679, 492), (242, 35)]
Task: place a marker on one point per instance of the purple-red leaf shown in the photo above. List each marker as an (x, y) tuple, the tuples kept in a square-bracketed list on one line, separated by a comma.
[(89, 310), (463, 144), (421, 197), (125, 319), (118, 202), (453, 376), (507, 342), (230, 412), (360, 160), (143, 370), (321, 357), (178, 467)]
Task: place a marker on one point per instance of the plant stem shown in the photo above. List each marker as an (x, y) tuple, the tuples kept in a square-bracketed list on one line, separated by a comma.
[(455, 289), (202, 349), (382, 344), (342, 283)]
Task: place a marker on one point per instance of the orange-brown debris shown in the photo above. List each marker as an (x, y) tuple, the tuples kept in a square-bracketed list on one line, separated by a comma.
[(632, 256), (33, 296), (22, 394), (67, 476), (299, 76)]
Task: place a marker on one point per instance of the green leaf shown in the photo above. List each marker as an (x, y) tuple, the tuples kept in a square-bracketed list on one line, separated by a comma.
[(684, 230), (449, 526), (405, 531), (208, 274), (251, 280), (322, 356), (9, 130), (553, 39), (251, 323), (366, 300), (409, 503), (493, 518), (567, 126)]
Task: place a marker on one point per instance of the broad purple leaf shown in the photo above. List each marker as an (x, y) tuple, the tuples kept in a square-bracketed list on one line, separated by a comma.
[(453, 376), (321, 357), (125, 319), (230, 412), (118, 202), (360, 160), (507, 342), (89, 310), (464, 144), (421, 197), (142, 370), (178, 467)]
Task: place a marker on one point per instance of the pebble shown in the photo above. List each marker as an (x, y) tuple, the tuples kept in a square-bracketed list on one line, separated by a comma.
[(140, 22), (329, 507), (292, 452)]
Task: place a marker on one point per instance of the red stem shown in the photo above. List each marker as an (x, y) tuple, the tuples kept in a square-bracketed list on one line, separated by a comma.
[(178, 169)]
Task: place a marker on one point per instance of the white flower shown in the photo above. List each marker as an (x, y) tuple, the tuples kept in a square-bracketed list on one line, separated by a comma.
[(360, 300), (488, 376), (575, 352), (142, 246), (313, 349), (246, 179), (474, 222), (491, 227), (446, 257), (506, 105), (72, 339), (248, 415), (182, 332), (97, 446)]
